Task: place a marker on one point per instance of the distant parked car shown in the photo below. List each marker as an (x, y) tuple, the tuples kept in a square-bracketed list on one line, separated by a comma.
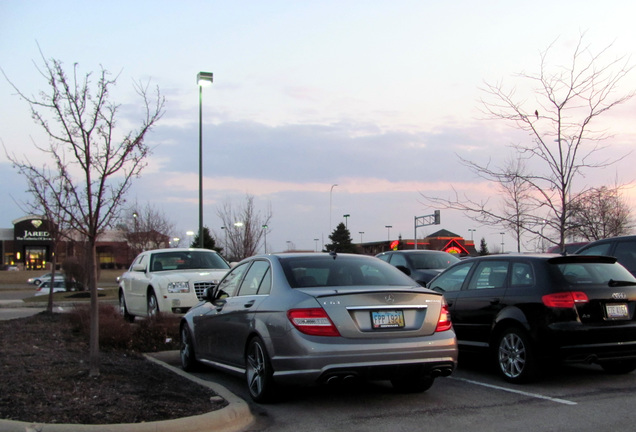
[(58, 286), (168, 280), (317, 319), (420, 265), (45, 277), (570, 248), (530, 311), (623, 248)]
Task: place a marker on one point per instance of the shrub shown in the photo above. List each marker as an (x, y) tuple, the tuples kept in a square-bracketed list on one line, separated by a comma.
[(160, 333)]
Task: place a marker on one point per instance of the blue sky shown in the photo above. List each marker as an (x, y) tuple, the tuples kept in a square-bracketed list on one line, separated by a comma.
[(377, 97)]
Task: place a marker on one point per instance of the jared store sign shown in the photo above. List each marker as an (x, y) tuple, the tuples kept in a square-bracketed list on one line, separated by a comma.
[(29, 230)]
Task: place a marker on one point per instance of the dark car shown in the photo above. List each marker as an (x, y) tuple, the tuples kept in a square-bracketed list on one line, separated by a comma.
[(320, 318), (623, 248), (568, 248), (420, 265), (530, 311)]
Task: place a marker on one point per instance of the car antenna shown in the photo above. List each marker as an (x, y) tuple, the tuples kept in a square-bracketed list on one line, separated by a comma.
[(333, 254)]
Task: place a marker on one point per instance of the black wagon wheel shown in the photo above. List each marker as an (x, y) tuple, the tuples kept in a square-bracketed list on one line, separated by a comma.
[(515, 356)]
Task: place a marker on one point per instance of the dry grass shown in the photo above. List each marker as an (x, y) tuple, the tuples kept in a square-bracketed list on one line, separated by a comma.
[(106, 277)]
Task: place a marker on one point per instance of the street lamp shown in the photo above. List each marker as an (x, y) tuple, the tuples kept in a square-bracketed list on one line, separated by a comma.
[(225, 247), (346, 217), (360, 232), (502, 242), (316, 246), (265, 233), (471, 231), (388, 231), (204, 79), (330, 193)]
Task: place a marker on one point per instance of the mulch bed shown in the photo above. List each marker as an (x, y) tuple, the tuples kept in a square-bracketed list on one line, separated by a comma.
[(44, 375)]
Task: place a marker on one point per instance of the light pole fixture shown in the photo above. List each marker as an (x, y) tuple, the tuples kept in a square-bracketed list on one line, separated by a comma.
[(225, 242), (204, 79), (346, 218), (360, 232), (265, 233), (330, 193), (316, 247), (471, 231), (502, 242), (388, 231)]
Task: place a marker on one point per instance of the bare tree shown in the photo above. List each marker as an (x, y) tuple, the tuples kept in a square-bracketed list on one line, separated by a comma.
[(514, 209), (567, 102), (146, 227), (92, 163), (244, 228), (559, 116), (600, 213)]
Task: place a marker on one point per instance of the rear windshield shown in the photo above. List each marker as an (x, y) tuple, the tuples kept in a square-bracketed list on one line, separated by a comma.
[(591, 273), (325, 271)]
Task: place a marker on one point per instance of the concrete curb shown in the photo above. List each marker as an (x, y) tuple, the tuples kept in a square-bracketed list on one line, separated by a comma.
[(235, 417)]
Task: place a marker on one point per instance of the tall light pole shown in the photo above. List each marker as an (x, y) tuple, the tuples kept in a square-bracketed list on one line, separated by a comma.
[(346, 218), (388, 231), (204, 79), (502, 242), (265, 233), (330, 193), (360, 232), (471, 231), (316, 245)]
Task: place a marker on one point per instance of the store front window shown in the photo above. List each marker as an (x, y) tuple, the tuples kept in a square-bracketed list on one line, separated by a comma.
[(35, 257)]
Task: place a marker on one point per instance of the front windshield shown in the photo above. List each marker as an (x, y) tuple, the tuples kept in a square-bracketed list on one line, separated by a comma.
[(325, 271), (187, 260)]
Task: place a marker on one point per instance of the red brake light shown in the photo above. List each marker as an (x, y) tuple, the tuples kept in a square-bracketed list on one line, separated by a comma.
[(564, 299), (444, 321), (314, 321)]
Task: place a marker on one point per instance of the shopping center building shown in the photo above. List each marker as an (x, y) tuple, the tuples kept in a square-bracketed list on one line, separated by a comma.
[(29, 245)]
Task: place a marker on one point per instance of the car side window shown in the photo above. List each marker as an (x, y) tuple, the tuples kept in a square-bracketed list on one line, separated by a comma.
[(398, 260), (602, 249), (489, 274), (230, 284), (625, 254), (385, 257), (254, 278), (452, 279), (522, 275)]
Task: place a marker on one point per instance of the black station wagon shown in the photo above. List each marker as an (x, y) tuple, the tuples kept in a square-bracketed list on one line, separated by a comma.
[(530, 311)]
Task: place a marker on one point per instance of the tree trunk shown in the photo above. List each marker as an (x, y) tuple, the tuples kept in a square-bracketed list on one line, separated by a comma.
[(94, 315)]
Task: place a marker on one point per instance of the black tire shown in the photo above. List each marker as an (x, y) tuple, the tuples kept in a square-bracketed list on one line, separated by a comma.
[(619, 367), (189, 361), (259, 372), (412, 383), (123, 309), (515, 356), (152, 305)]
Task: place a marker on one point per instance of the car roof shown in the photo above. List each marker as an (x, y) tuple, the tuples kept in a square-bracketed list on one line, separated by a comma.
[(179, 250)]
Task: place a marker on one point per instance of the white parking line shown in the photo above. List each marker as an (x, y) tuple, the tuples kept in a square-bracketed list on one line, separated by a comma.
[(533, 395)]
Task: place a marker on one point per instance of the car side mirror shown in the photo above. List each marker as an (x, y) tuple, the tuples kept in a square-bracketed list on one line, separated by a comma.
[(208, 295), (139, 267), (404, 270)]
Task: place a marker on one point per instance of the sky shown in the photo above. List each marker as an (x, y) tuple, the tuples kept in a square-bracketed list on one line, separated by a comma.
[(379, 98)]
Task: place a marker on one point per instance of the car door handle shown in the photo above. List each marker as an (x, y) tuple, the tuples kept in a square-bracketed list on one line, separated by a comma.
[(249, 304), (495, 301)]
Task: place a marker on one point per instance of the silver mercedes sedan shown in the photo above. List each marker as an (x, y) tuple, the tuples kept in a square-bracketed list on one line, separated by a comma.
[(320, 318)]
